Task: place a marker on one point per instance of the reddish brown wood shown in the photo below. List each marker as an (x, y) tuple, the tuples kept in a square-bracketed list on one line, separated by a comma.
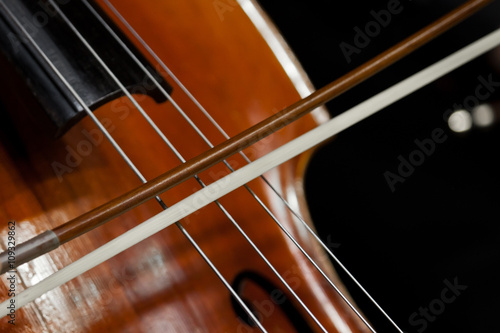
[(175, 176), (162, 285)]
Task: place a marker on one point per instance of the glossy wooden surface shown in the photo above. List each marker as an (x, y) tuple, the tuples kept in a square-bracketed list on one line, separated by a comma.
[(174, 176), (163, 285)]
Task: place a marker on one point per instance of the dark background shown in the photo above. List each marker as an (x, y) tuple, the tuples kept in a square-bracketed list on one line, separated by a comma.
[(442, 222)]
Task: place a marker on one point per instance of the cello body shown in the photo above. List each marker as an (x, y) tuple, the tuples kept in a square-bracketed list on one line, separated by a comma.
[(163, 284)]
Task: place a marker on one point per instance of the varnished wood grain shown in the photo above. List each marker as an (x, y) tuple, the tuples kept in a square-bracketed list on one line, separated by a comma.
[(192, 167), (163, 284)]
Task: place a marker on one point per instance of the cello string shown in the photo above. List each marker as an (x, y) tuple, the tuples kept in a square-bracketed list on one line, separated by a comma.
[(128, 161), (221, 277), (261, 203), (142, 111), (268, 263), (234, 180), (176, 152), (209, 143), (264, 179)]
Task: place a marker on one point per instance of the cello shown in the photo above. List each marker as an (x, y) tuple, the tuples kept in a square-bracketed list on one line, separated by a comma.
[(145, 287)]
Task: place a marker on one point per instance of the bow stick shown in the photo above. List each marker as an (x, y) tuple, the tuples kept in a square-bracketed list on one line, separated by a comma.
[(52, 239)]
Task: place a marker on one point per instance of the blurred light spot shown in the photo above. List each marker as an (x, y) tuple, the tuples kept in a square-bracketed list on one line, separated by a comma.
[(483, 115), (460, 121)]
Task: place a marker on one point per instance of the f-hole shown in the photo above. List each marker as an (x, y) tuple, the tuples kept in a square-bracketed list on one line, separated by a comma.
[(247, 284)]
